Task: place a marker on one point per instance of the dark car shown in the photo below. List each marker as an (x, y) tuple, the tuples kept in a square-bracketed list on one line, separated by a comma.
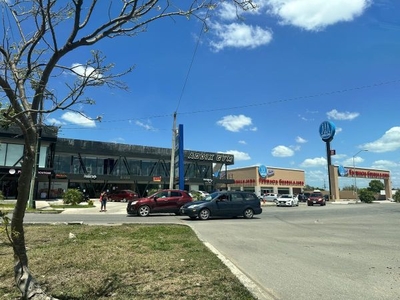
[(163, 201), (122, 196), (316, 198), (224, 204)]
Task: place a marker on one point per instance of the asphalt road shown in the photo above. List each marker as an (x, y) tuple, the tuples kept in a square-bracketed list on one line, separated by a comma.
[(332, 252)]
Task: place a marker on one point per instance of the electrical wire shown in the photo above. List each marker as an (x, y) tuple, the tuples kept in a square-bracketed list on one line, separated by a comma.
[(272, 102)]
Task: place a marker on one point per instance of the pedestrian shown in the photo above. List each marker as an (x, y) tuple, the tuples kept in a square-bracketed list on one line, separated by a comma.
[(264, 198), (103, 201)]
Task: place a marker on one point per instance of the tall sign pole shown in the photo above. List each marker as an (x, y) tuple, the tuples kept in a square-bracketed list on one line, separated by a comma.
[(327, 131), (172, 166), (181, 159)]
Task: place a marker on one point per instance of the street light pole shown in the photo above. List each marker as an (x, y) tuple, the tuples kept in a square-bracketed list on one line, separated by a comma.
[(354, 173)]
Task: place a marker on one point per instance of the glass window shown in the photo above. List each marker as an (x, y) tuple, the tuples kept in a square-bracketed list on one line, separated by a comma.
[(43, 157), (76, 166), (236, 197), (3, 150), (176, 194), (14, 153), (90, 165), (62, 163), (250, 196)]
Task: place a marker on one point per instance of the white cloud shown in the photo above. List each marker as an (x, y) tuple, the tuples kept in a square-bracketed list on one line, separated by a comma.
[(390, 141), (237, 35), (243, 142), (314, 162), (349, 162), (54, 122), (315, 15), (338, 129), (334, 114), (300, 140), (235, 123), (282, 151), (238, 155), (145, 126), (78, 119), (86, 71), (385, 164)]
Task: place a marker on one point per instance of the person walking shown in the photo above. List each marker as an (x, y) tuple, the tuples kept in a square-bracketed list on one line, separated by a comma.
[(103, 201)]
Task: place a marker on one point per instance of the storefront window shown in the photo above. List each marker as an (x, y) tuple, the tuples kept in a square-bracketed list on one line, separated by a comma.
[(76, 166), (283, 191), (148, 168), (134, 166), (91, 165), (62, 163)]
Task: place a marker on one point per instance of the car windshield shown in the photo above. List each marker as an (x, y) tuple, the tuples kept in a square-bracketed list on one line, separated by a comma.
[(211, 196), (316, 195)]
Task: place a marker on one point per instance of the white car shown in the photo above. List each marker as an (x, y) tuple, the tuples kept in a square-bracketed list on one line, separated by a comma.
[(270, 197), (287, 200)]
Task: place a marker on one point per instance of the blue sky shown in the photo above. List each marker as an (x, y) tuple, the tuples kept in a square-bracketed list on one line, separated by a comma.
[(259, 87)]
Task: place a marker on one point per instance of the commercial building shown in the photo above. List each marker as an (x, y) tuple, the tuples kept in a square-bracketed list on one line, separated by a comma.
[(262, 179), (95, 166)]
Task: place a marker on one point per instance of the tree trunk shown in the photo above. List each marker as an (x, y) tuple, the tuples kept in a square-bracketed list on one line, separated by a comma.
[(24, 280)]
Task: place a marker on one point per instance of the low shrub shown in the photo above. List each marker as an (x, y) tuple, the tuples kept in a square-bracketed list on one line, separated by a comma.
[(396, 197), (366, 195), (73, 197)]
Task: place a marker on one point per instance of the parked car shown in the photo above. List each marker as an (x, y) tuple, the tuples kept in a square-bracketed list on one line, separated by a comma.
[(122, 196), (163, 201), (224, 204), (270, 197), (287, 200), (316, 198), (302, 197), (197, 195)]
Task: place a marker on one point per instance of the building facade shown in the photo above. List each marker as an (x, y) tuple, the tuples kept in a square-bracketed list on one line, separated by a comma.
[(260, 179), (96, 166)]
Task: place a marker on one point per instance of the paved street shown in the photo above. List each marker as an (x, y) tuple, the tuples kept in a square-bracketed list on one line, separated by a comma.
[(332, 252)]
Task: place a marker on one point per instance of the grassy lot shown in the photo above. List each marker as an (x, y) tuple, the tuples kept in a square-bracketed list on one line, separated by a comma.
[(121, 262)]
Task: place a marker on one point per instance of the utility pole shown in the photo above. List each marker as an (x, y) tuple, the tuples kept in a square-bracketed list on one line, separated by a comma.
[(172, 167), (35, 169)]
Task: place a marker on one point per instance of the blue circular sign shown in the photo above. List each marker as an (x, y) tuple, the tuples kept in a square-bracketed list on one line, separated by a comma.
[(262, 170), (342, 171), (327, 131)]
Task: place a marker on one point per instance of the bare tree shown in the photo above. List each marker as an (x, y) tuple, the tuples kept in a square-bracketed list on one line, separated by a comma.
[(36, 38)]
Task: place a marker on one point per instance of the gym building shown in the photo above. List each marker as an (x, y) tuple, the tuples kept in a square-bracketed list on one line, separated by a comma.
[(260, 179), (93, 166)]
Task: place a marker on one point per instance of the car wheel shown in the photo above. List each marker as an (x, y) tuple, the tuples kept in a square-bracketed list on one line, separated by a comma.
[(204, 214), (309, 204), (248, 213), (144, 211)]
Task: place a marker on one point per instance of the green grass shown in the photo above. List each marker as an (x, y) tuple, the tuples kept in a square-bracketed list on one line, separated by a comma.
[(121, 262)]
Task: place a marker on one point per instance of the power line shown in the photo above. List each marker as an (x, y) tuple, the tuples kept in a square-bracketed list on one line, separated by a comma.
[(306, 97)]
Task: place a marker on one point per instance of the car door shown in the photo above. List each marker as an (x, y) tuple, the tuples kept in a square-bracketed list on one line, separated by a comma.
[(237, 204), (223, 205), (161, 201)]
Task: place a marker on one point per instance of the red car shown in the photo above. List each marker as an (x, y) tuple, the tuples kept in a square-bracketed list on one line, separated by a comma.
[(122, 196), (316, 198), (163, 201)]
